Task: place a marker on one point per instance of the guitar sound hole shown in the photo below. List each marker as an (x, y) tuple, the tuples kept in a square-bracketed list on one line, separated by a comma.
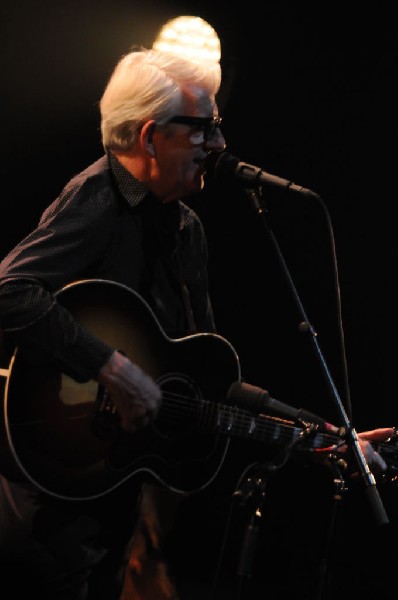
[(182, 406)]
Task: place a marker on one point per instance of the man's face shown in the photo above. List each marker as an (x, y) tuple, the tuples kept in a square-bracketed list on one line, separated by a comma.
[(181, 148)]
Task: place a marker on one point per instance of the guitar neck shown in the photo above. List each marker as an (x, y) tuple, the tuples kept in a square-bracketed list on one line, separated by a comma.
[(233, 421)]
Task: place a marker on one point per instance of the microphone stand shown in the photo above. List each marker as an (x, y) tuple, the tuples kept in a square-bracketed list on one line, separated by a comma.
[(251, 493), (339, 489), (351, 435)]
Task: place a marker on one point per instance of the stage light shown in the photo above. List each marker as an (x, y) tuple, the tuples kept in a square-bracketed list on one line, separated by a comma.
[(191, 37)]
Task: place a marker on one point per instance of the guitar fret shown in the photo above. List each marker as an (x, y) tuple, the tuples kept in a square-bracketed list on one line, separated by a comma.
[(252, 426), (232, 420), (276, 433)]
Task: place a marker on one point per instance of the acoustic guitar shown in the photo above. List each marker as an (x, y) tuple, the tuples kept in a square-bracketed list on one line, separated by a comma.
[(64, 436)]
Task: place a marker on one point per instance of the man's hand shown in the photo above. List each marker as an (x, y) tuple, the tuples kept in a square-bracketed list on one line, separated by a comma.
[(135, 394), (365, 438)]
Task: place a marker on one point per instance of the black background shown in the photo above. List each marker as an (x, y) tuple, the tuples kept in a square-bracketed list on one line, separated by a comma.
[(308, 94)]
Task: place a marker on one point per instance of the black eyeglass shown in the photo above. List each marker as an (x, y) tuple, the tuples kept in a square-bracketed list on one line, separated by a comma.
[(205, 125)]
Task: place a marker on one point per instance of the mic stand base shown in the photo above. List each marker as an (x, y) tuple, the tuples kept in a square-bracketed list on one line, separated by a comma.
[(324, 567)]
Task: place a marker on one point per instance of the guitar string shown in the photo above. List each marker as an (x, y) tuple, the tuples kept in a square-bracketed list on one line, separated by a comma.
[(257, 427), (238, 419)]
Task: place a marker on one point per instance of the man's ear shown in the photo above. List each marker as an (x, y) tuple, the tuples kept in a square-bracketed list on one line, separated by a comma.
[(147, 137)]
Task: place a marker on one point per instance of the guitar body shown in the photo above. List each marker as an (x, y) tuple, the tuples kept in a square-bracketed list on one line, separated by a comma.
[(64, 436)]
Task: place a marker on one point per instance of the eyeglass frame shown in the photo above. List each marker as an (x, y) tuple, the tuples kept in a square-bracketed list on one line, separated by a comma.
[(207, 125)]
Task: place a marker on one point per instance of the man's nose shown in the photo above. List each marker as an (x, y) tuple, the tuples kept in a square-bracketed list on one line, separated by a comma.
[(217, 141)]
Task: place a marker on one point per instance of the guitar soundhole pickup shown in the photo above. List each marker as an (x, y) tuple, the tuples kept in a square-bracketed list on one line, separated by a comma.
[(105, 422)]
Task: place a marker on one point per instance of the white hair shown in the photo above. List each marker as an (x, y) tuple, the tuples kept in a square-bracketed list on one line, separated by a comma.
[(149, 84)]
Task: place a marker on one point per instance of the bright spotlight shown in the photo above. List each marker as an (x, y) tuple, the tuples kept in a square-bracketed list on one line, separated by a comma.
[(191, 37)]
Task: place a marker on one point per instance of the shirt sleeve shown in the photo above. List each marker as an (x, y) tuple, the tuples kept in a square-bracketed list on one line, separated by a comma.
[(72, 234)]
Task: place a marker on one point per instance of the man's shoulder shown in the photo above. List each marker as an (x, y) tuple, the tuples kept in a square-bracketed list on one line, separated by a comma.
[(96, 170), (90, 187), (93, 177)]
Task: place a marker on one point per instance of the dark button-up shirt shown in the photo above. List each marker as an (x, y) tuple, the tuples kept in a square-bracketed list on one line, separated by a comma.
[(104, 225)]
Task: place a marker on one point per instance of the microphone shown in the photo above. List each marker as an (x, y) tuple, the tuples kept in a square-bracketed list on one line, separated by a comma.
[(257, 400), (225, 166)]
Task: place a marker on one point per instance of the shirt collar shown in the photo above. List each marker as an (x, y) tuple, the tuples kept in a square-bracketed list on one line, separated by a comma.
[(131, 189), (134, 191)]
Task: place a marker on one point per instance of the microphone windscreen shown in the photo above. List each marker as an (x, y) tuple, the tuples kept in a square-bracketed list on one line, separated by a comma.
[(221, 165)]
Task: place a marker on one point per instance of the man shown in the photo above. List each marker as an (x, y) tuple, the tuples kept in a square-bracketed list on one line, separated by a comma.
[(122, 219)]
